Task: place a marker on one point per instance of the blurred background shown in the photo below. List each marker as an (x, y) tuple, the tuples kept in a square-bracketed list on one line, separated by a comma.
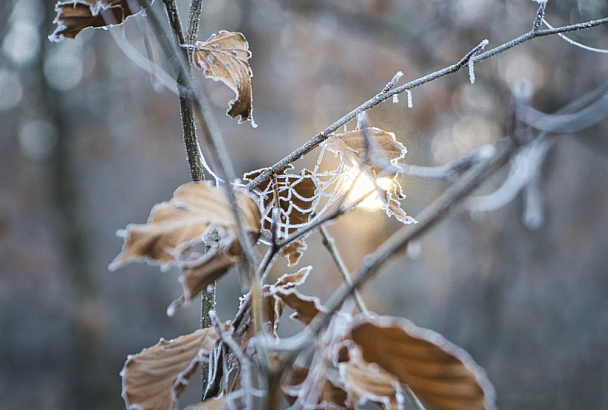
[(89, 143)]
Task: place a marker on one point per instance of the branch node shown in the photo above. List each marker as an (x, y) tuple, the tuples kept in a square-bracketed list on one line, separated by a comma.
[(471, 54)]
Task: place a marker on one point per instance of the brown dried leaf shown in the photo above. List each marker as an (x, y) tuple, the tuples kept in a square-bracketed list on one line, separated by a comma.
[(441, 374), (305, 307), (273, 306), (330, 396), (290, 280), (188, 215), (198, 272), (223, 57), (366, 382), (76, 15), (197, 214), (352, 145), (155, 377), (293, 251), (393, 207)]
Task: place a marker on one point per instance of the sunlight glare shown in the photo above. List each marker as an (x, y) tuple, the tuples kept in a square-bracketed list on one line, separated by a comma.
[(362, 186)]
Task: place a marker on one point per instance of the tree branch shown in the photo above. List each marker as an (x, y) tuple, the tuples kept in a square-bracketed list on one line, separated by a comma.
[(382, 96)]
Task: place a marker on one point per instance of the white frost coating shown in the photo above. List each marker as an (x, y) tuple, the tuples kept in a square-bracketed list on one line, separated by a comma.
[(471, 71), (410, 103), (481, 46), (395, 98)]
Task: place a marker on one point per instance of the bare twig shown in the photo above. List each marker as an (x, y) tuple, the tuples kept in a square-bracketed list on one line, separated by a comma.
[(330, 245), (382, 96)]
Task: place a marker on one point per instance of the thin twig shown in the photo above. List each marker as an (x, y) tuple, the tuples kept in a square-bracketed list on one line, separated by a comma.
[(380, 97), (330, 245)]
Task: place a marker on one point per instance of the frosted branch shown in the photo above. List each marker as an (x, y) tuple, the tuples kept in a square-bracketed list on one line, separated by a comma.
[(323, 135)]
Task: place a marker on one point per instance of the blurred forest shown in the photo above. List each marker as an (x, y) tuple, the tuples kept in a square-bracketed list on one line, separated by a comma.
[(89, 143)]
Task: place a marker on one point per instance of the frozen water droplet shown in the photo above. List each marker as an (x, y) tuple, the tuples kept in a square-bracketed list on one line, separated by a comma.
[(409, 99), (395, 98)]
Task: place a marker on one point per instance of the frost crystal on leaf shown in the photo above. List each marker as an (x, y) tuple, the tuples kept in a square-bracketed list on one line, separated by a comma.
[(76, 15), (224, 57)]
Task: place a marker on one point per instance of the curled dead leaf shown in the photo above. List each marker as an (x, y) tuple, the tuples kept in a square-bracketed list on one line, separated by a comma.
[(197, 215), (76, 15), (305, 307), (440, 373), (154, 378), (172, 225), (352, 146), (224, 57), (379, 162), (289, 280)]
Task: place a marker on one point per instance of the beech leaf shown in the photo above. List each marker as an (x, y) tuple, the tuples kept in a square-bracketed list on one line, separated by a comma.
[(197, 215), (352, 146), (290, 280), (76, 15), (273, 306), (172, 225), (368, 382), (224, 57), (155, 377), (305, 307), (440, 373)]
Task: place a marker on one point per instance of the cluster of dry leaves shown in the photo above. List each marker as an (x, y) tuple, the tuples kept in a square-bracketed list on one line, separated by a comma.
[(355, 359)]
